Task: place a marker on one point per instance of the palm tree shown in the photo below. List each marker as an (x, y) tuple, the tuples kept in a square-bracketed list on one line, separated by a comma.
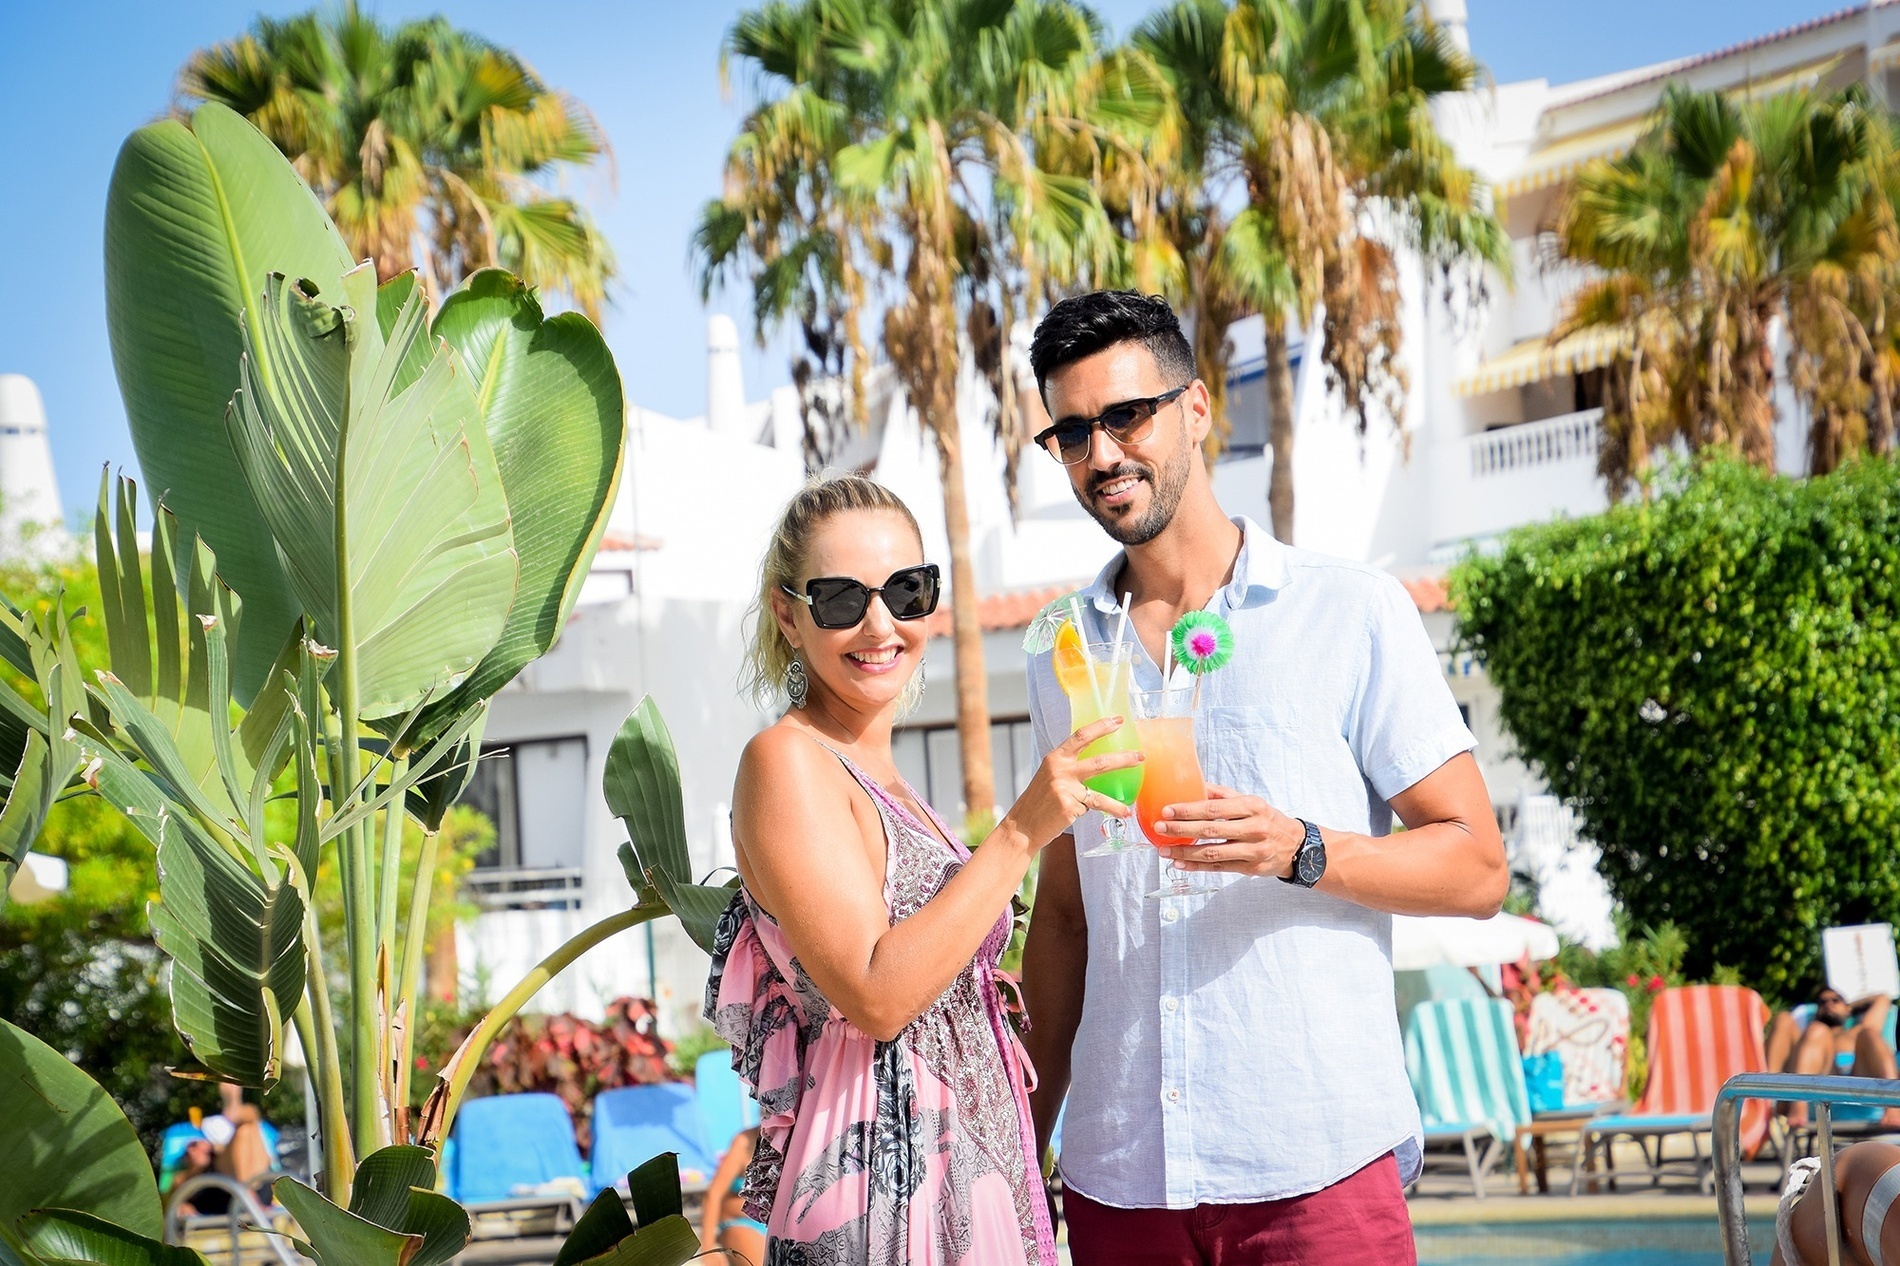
[(898, 148), (1325, 116), (430, 147), (1724, 218)]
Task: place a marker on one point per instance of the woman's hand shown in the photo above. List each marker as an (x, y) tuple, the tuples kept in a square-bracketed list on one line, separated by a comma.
[(1058, 794)]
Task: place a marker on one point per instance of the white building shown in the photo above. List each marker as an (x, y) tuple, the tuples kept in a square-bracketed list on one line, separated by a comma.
[(1502, 430)]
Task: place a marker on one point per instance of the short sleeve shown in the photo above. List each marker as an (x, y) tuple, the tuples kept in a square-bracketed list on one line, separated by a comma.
[(1403, 723)]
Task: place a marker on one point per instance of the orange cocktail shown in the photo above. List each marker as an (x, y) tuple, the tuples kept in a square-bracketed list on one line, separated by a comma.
[(1171, 774)]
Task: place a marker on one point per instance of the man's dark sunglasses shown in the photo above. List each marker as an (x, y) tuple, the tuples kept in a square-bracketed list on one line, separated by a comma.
[(839, 602), (1126, 423)]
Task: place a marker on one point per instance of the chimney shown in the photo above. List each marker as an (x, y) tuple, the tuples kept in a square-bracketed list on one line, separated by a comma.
[(1450, 15), (28, 492), (725, 381)]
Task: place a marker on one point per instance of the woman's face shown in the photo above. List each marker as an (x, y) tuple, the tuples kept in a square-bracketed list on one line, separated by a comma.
[(865, 667)]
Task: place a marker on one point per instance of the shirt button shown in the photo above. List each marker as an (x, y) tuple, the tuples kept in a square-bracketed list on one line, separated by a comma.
[(1174, 1096), (1170, 914), (1170, 1004)]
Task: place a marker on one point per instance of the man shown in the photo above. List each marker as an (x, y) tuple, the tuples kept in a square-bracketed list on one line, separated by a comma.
[(1236, 1085)]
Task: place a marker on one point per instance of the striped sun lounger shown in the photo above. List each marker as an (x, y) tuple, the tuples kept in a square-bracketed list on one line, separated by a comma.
[(1468, 1076), (1699, 1037)]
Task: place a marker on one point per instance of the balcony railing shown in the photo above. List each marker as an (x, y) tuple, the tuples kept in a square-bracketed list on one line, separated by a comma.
[(515, 888), (1571, 437)]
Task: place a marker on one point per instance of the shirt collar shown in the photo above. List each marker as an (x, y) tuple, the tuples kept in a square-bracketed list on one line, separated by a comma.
[(1259, 571)]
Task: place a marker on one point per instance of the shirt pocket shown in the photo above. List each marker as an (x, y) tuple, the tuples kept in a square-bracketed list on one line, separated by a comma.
[(1249, 750)]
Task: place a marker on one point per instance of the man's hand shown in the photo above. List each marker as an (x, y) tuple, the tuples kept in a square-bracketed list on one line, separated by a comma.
[(1250, 836)]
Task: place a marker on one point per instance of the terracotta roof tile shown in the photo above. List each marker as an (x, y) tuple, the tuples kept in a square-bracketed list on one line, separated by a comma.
[(998, 611), (629, 543), (1428, 594)]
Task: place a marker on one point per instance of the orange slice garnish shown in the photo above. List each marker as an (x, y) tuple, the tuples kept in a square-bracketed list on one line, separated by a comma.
[(1071, 661)]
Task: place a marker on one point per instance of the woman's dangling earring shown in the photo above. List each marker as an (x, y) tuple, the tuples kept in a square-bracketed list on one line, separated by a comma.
[(797, 685)]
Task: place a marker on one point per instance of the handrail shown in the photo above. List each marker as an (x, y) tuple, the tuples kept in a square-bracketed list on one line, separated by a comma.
[(1822, 1092), (243, 1202)]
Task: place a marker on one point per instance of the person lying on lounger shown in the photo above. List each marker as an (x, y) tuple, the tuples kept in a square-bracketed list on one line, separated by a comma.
[(1844, 1038)]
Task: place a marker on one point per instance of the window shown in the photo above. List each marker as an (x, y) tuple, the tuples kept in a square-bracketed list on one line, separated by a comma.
[(931, 760), (535, 792)]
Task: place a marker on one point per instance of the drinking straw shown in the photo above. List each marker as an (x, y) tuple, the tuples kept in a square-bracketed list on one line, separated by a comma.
[(1121, 633), (1075, 617)]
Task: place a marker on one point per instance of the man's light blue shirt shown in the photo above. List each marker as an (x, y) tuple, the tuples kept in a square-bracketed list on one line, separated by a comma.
[(1244, 1045)]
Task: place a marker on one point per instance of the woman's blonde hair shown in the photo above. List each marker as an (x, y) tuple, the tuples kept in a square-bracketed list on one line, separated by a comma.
[(768, 655)]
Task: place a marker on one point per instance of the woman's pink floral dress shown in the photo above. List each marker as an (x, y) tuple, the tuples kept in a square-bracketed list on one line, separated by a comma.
[(916, 1150)]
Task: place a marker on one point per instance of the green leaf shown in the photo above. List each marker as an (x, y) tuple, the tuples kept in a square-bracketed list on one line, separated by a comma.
[(697, 906), (668, 1242), (424, 553), (599, 1230), (237, 951), (66, 1235), (642, 784), (198, 213), (337, 1237), (654, 1189), (67, 1143), (395, 1215), (13, 1250), (438, 788), (550, 399)]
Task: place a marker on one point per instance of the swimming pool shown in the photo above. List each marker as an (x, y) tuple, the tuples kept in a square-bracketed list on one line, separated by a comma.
[(1633, 1242)]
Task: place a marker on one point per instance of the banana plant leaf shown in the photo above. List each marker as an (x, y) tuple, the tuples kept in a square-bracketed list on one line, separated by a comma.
[(13, 1249), (425, 566), (47, 764), (550, 398), (198, 214), (238, 957), (395, 1218), (606, 1236), (177, 709), (67, 1145), (642, 784), (67, 1235), (438, 788)]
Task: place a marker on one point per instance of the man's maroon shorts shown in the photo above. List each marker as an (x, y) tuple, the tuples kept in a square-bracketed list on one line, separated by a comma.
[(1359, 1219)]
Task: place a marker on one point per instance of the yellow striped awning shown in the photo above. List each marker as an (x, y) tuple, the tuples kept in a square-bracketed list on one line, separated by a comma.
[(1536, 359), (1561, 159)]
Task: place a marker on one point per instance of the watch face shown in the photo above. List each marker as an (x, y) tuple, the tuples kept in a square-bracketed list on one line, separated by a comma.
[(1311, 863)]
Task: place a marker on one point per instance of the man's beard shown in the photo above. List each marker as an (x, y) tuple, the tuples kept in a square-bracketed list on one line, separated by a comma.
[(1168, 484)]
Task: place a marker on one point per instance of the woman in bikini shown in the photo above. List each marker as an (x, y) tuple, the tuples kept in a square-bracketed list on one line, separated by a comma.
[(855, 973), (724, 1224)]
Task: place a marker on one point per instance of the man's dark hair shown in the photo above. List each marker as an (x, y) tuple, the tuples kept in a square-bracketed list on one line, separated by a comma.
[(1083, 325)]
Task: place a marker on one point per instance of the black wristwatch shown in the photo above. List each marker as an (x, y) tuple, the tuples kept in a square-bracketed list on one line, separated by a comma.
[(1310, 862)]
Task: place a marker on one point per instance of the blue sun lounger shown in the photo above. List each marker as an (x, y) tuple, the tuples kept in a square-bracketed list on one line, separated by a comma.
[(634, 1124), (1468, 1076)]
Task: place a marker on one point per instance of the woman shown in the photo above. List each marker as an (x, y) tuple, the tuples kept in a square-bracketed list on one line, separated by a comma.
[(855, 973), (723, 1223)]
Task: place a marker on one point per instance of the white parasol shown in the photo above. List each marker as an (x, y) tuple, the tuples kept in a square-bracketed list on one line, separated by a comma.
[(1418, 943)]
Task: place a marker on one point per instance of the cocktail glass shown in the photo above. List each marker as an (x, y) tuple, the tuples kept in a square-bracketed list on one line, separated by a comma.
[(1111, 672), (1164, 719)]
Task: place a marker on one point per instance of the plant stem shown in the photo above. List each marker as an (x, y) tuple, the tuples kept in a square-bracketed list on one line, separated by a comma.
[(326, 1063), (415, 942), (461, 1068), (359, 894), (392, 866)]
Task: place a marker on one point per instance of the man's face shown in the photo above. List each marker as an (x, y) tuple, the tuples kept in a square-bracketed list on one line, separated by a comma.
[(1133, 489)]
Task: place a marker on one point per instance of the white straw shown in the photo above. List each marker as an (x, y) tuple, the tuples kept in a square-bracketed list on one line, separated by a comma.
[(1121, 632)]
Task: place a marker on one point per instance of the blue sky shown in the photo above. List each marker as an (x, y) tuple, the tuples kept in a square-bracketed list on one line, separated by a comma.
[(76, 76)]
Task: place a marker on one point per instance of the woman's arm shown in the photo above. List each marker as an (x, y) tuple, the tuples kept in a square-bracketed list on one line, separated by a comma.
[(719, 1192), (803, 854)]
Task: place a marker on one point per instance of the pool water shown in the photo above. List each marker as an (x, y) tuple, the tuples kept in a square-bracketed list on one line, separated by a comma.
[(1645, 1242)]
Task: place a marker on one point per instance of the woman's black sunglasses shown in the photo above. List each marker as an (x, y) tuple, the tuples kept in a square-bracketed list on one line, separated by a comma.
[(838, 602), (1126, 423)]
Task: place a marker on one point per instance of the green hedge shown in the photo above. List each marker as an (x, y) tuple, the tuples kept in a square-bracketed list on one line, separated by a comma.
[(1713, 680)]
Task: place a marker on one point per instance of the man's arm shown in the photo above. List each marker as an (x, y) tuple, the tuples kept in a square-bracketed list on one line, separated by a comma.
[(1055, 957), (1450, 860)]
